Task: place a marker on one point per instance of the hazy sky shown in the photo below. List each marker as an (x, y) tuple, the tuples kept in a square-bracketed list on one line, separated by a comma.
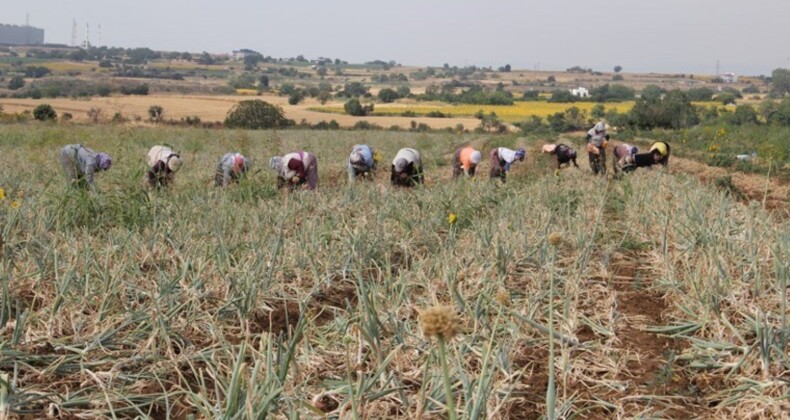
[(682, 36)]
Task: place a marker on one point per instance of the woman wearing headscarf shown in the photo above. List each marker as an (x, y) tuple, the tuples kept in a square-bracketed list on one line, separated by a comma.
[(501, 159), (231, 167), (658, 154), (164, 164), (466, 161), (407, 168), (80, 163), (361, 162), (562, 152), (597, 140), (296, 169), (620, 153), (662, 148)]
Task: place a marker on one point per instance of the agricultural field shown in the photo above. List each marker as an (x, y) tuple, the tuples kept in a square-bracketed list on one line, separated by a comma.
[(519, 111), (648, 295)]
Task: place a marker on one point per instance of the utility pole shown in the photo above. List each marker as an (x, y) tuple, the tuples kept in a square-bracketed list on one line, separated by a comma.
[(73, 32)]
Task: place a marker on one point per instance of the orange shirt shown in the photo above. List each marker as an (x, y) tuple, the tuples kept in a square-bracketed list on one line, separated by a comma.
[(466, 157)]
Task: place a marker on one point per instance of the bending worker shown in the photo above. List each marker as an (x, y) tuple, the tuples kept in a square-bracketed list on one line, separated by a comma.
[(80, 163), (562, 152), (407, 168), (597, 140), (296, 169), (621, 152), (164, 164), (657, 154), (231, 167), (466, 161), (361, 162), (502, 158)]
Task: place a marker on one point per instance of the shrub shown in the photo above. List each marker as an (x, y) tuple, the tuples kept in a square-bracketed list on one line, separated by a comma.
[(256, 114), (16, 83), (531, 95), (355, 108), (617, 77), (562, 96), (155, 113), (45, 112), (388, 95)]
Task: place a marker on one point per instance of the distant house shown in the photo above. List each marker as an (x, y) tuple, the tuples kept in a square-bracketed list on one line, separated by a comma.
[(244, 53), (729, 78), (580, 92)]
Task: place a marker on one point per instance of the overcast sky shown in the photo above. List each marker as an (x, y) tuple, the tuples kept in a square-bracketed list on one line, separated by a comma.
[(680, 36)]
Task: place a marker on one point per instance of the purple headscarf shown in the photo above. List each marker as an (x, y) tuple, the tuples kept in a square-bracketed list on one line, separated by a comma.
[(104, 160)]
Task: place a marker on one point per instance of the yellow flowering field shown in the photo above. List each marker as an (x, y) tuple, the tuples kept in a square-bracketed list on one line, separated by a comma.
[(519, 111)]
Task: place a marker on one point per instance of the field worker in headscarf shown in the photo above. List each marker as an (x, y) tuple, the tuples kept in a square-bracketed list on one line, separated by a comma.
[(296, 169), (563, 153), (80, 163), (621, 152), (659, 153), (502, 158), (231, 167), (466, 161), (164, 164), (663, 151), (597, 140), (407, 168), (361, 162)]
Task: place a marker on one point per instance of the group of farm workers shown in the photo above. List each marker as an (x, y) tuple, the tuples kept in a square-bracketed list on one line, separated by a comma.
[(300, 169), (625, 157)]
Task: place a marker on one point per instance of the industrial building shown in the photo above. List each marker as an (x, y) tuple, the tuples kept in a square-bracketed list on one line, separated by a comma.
[(20, 35)]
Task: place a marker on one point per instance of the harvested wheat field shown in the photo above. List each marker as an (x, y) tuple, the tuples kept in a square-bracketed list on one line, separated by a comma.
[(212, 108), (651, 295)]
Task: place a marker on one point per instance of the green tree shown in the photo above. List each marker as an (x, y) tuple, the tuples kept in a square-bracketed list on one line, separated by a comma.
[(322, 71), (702, 94), (618, 69), (388, 95), (780, 82), (263, 81), (652, 92), (726, 98), (354, 107), (598, 111), (45, 112), (745, 114), (403, 91), (255, 115), (16, 82), (295, 97), (562, 95)]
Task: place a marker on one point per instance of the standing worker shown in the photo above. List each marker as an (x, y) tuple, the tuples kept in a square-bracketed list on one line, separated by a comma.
[(562, 152), (231, 167), (296, 169), (164, 164), (361, 162), (407, 168), (466, 161), (621, 152), (502, 158), (80, 163), (597, 140)]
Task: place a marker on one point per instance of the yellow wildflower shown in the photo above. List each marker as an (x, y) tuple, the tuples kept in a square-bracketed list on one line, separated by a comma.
[(2, 194), (452, 218), (16, 204)]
